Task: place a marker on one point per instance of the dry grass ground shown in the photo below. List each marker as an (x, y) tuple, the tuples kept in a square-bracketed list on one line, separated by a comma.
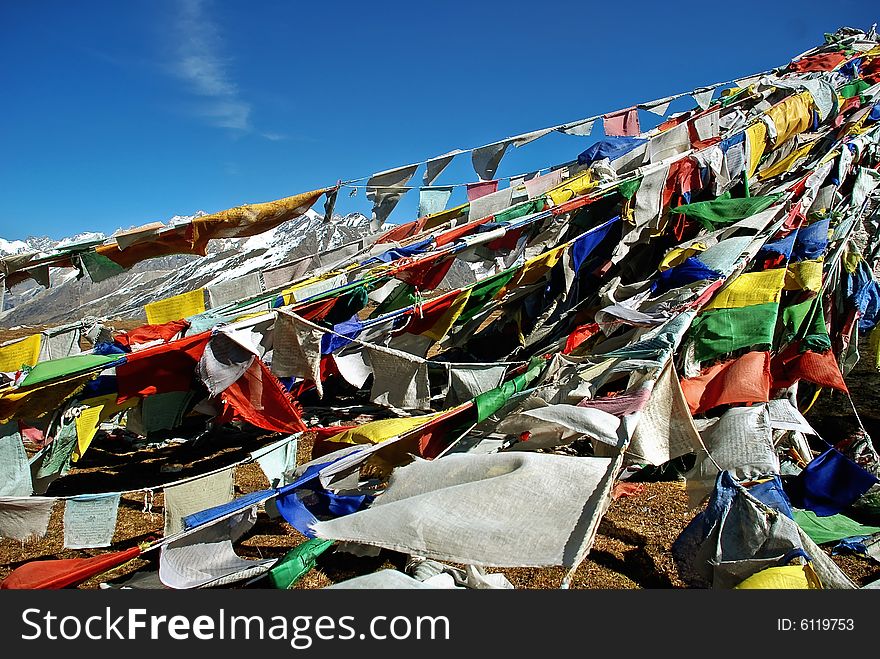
[(631, 549)]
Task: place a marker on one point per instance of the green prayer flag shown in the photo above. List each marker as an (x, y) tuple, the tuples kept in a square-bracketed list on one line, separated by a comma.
[(724, 210), (799, 323), (349, 304), (521, 210), (57, 368), (484, 291), (629, 188), (731, 98), (493, 400), (165, 411), (830, 528), (402, 296), (721, 331), (56, 459), (99, 266), (854, 88), (295, 563)]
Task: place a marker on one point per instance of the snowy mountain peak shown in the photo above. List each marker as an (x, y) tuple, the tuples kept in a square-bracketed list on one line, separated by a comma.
[(13, 247), (185, 219)]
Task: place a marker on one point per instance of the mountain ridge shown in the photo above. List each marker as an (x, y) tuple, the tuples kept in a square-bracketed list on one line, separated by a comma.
[(123, 296)]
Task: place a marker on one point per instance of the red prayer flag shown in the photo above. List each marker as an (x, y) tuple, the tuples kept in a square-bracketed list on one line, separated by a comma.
[(579, 335), (401, 231), (431, 311), (32, 434), (820, 368), (260, 399), (481, 189), (870, 70), (458, 232), (162, 368), (323, 432), (624, 489), (819, 62), (673, 122), (623, 123), (507, 241), (742, 380), (425, 274), (316, 310), (707, 294), (684, 177), (164, 332), (795, 218), (63, 573)]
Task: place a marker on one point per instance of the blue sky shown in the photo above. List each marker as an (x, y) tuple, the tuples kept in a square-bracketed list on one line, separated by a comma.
[(121, 113)]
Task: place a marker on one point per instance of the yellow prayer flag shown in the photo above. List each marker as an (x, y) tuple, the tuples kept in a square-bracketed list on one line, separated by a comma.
[(252, 219), (791, 116), (536, 267), (37, 402), (786, 163), (438, 219), (87, 422), (86, 428), (804, 276), (749, 289), (21, 353), (874, 344), (175, 308), (376, 432), (253, 314), (861, 126), (447, 320), (851, 260), (678, 255), (570, 189), (313, 286), (756, 141), (785, 577), (287, 293)]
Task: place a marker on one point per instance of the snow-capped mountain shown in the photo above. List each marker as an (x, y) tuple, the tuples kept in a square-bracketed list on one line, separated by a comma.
[(125, 295), (13, 247)]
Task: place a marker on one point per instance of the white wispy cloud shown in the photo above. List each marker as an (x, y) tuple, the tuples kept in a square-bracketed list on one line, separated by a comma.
[(200, 63)]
